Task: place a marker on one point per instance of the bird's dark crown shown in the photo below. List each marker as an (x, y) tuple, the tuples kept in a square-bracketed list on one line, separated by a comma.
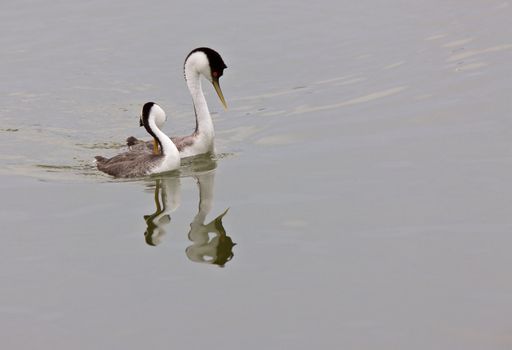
[(217, 64)]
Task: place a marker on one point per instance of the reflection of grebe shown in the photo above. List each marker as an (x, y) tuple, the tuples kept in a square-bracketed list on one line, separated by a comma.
[(210, 243), (167, 190), (219, 248)]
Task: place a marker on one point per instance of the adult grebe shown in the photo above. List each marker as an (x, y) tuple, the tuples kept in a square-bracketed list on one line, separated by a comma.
[(132, 164), (201, 61)]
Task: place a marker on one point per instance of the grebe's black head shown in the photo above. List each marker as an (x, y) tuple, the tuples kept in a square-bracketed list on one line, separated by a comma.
[(159, 115), (215, 61), (152, 112), (209, 63), (146, 110)]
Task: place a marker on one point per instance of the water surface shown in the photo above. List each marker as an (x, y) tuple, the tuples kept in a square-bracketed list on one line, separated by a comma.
[(364, 164)]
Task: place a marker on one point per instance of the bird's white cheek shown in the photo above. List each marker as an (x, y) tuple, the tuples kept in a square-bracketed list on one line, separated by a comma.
[(206, 71)]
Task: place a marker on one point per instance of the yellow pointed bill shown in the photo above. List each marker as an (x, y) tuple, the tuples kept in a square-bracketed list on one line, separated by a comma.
[(155, 147), (216, 85)]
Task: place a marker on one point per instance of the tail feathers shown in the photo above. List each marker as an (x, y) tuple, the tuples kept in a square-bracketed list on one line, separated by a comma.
[(100, 159)]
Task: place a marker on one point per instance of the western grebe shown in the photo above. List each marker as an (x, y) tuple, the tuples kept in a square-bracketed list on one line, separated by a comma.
[(159, 121), (132, 164), (208, 63)]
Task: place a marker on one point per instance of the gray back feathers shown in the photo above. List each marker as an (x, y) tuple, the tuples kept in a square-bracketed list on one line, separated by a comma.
[(129, 164)]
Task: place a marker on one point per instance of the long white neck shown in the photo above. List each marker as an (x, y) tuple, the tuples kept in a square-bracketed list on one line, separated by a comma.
[(204, 123), (169, 149)]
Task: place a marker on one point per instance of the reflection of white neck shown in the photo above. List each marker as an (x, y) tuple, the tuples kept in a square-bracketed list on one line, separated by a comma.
[(203, 249), (205, 183), (169, 190), (171, 194), (204, 123)]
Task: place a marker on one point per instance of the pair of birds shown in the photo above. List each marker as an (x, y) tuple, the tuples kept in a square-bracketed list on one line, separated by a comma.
[(145, 158)]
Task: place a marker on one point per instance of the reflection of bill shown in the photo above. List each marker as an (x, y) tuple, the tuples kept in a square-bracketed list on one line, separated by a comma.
[(210, 245), (215, 250), (167, 200)]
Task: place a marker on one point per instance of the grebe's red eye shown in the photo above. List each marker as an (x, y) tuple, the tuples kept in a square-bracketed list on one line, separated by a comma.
[(215, 74)]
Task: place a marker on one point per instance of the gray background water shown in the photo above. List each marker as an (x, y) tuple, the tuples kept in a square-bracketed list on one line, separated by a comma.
[(366, 160)]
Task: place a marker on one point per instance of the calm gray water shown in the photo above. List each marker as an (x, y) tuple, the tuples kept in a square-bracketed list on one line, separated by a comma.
[(365, 160)]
